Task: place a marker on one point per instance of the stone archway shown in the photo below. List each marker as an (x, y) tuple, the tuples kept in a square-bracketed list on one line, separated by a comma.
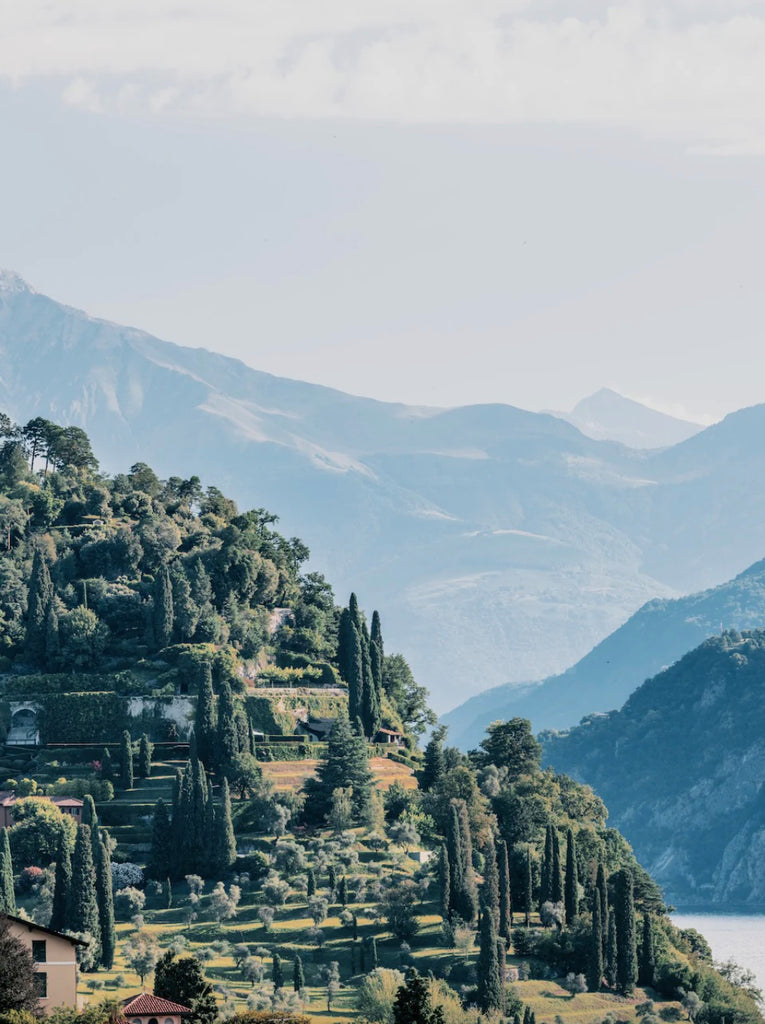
[(24, 728)]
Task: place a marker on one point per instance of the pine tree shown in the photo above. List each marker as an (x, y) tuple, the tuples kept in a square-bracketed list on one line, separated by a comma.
[(144, 758), (595, 960), (556, 880), (434, 763), (40, 596), (61, 885), (545, 889), (346, 764), (224, 830), (7, 895), (162, 615), (571, 892), (626, 952), (126, 761), (298, 977), (611, 952), (490, 887), (277, 975), (444, 879), (105, 898), (107, 767), (505, 895), (490, 986), (205, 719), (227, 745), (161, 854), (647, 971), (528, 888), (82, 905)]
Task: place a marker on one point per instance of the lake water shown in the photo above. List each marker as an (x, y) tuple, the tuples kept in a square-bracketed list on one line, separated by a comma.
[(739, 937)]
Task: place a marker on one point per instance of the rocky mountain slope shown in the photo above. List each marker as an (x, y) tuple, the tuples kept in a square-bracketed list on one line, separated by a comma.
[(682, 767), (609, 416), (499, 545), (654, 637)]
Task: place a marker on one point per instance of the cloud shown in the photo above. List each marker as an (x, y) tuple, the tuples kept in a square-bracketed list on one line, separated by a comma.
[(685, 69)]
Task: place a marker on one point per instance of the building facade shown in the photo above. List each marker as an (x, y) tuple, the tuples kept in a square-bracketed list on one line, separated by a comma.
[(66, 804), (55, 957)]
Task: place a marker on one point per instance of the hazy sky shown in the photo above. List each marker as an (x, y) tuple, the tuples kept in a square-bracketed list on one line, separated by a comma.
[(437, 202)]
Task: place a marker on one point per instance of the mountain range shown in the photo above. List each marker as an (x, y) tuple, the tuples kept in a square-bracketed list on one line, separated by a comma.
[(682, 769), (656, 636), (609, 416), (500, 545)]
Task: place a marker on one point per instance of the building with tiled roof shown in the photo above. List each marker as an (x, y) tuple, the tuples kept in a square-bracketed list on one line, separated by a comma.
[(148, 1009), (66, 804), (55, 961)]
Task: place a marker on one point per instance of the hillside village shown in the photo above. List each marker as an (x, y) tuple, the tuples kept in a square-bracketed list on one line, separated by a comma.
[(223, 799)]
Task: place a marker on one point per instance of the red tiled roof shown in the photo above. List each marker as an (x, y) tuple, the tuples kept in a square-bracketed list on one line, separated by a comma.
[(146, 1004), (390, 732)]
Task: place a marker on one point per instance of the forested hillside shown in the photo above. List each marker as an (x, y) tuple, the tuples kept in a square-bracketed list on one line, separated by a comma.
[(682, 766), (659, 633)]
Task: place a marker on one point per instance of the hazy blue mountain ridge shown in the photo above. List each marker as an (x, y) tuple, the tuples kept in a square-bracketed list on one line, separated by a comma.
[(609, 416)]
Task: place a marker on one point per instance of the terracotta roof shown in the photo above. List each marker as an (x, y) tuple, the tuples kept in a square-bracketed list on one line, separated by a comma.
[(33, 926), (7, 798), (390, 732), (147, 1004)]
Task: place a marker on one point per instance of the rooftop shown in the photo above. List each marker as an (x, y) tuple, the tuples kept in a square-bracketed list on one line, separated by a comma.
[(145, 1004)]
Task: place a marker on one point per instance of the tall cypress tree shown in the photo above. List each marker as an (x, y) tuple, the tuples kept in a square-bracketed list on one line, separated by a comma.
[(277, 975), (144, 757), (371, 715), (227, 746), (375, 662), (626, 951), (205, 719), (357, 700), (39, 598), (611, 951), (7, 895), (82, 905), (556, 880), (571, 892), (490, 985), (505, 895), (162, 615), (224, 830), (107, 767), (105, 898), (161, 854), (490, 887), (454, 855), (375, 634), (89, 815), (52, 640), (345, 646), (61, 885), (545, 888), (311, 879), (126, 761), (444, 881), (602, 887), (595, 959), (647, 967), (468, 902), (528, 888), (298, 977)]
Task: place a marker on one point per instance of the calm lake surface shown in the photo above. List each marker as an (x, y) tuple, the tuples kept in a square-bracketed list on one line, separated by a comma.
[(739, 937)]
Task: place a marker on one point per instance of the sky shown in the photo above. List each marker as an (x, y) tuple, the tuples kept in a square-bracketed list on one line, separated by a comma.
[(437, 203)]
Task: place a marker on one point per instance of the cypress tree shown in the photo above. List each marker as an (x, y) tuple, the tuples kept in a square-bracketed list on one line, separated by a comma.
[(144, 758), (489, 981), (611, 951), (205, 719), (444, 880), (105, 897), (7, 895), (39, 598), (527, 1015), (298, 977), (62, 884), (571, 892), (556, 881), (331, 878), (356, 696), (89, 815), (490, 887), (454, 855), (602, 887), (505, 896), (224, 829), (162, 615), (311, 890), (545, 889), (52, 644), (371, 713), (342, 891), (373, 962), (647, 972), (277, 975), (107, 767), (227, 733), (626, 951), (82, 905), (375, 634), (595, 959), (167, 893), (198, 816), (355, 927), (434, 763), (161, 854), (468, 901), (528, 888), (126, 761), (345, 649)]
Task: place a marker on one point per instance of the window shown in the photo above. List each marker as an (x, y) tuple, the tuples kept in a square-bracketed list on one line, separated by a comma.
[(39, 951), (41, 984)]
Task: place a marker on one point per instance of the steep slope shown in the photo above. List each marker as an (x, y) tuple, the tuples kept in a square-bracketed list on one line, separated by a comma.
[(609, 416), (682, 768), (654, 637)]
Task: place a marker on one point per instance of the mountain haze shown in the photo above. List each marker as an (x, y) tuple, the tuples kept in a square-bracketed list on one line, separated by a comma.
[(499, 545), (659, 633), (609, 416)]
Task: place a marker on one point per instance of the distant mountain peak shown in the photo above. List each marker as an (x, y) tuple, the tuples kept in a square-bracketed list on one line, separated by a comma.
[(607, 415), (12, 283)]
